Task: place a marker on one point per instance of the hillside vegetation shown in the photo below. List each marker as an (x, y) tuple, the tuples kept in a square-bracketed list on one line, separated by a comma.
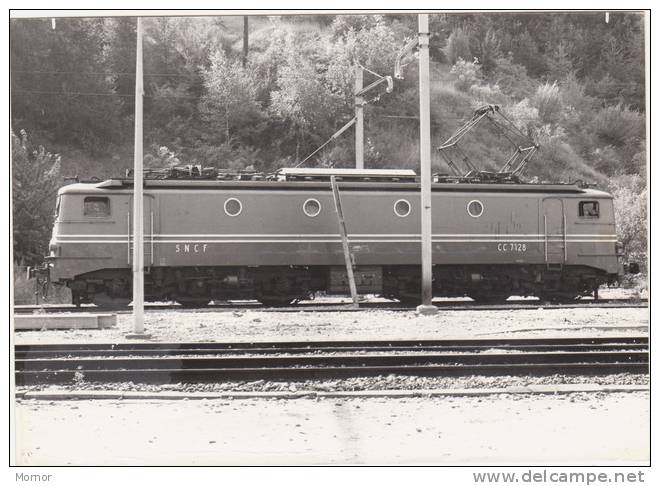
[(571, 81)]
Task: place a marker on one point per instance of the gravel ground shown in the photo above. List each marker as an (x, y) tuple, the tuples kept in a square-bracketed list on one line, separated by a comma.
[(390, 382), (575, 428), (578, 428), (257, 325)]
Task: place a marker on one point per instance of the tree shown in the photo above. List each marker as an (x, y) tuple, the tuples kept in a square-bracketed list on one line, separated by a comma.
[(59, 88), (559, 61), (303, 100), (630, 200), (35, 179), (230, 99), (458, 46), (119, 59), (485, 46)]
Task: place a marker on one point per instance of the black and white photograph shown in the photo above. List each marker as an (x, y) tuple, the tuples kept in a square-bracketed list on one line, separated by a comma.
[(331, 238)]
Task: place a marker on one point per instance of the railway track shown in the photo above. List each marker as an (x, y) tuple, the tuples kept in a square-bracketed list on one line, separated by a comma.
[(214, 362), (346, 307)]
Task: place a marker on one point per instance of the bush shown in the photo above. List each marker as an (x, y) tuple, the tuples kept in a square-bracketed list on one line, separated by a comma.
[(524, 116), (162, 158), (630, 202), (618, 125), (557, 161), (607, 160), (486, 47), (573, 95), (233, 157), (488, 94), (637, 163), (548, 102), (465, 74), (24, 290), (35, 179), (512, 78), (458, 46)]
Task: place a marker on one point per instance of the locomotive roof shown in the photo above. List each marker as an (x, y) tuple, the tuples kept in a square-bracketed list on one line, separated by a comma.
[(122, 185), (345, 173)]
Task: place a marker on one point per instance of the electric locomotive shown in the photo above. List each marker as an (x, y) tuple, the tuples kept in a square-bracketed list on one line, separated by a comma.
[(210, 236)]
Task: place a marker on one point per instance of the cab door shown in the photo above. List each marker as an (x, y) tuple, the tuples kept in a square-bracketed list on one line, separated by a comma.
[(149, 231), (554, 231)]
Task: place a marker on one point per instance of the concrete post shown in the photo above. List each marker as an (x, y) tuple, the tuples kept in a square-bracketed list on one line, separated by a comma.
[(138, 197), (359, 118), (427, 306)]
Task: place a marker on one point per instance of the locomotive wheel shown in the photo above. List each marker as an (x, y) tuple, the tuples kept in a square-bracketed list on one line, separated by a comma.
[(409, 300), (193, 303), (276, 302), (489, 298), (104, 301), (557, 297)]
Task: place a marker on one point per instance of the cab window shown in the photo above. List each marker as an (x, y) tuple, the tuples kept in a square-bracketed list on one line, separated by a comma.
[(96, 207), (589, 209)]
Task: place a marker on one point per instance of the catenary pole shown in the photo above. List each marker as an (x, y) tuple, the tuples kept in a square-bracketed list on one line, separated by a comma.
[(359, 118), (138, 201), (426, 306)]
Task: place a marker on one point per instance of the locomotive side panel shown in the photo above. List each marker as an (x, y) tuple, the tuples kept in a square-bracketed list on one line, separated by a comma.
[(90, 233), (252, 227), (592, 232), (485, 228), (247, 227)]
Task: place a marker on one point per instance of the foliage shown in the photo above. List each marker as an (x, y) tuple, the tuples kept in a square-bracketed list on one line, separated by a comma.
[(512, 78), (52, 69), (485, 47), (559, 60), (560, 162), (617, 125), (547, 100), (596, 66), (162, 158), (488, 94), (630, 211), (465, 74), (230, 98), (303, 100), (374, 45), (25, 293), (525, 116), (458, 46), (35, 179), (232, 156), (527, 53)]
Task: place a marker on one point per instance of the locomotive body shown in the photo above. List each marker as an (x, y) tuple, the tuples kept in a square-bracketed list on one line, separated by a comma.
[(279, 241)]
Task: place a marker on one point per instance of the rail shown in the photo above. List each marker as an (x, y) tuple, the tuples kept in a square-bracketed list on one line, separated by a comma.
[(311, 306), (331, 360)]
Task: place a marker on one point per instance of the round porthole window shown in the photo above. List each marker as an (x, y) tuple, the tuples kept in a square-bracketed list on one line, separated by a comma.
[(402, 208), (475, 208), (312, 207), (233, 207)]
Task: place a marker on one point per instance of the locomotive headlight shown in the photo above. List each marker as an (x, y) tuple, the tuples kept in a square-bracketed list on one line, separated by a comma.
[(618, 247), (53, 249)]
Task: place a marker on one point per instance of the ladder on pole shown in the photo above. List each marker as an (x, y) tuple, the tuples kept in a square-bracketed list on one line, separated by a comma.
[(344, 241)]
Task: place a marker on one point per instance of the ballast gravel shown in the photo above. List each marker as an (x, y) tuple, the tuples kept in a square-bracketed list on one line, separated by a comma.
[(261, 325), (389, 382)]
